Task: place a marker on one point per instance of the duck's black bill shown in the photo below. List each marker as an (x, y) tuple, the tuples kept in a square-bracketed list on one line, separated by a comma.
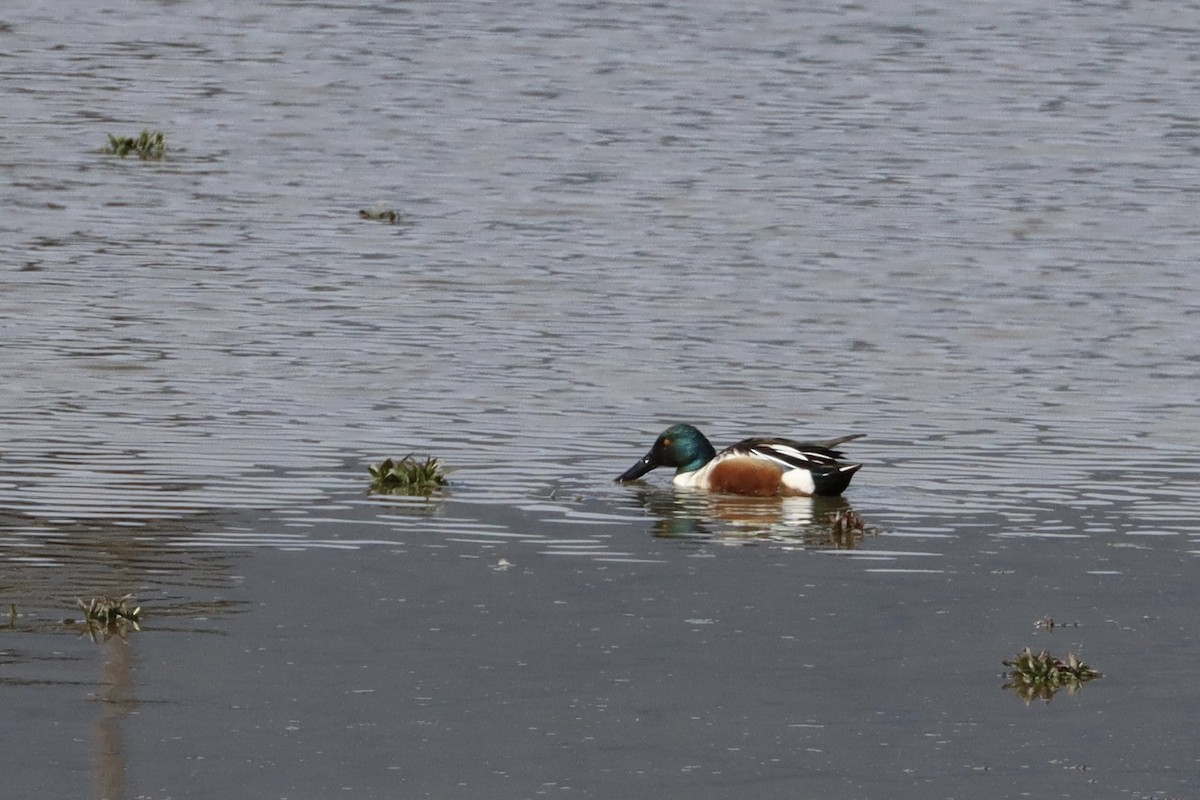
[(638, 470)]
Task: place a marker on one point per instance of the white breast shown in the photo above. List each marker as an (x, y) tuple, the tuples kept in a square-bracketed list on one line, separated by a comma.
[(696, 479)]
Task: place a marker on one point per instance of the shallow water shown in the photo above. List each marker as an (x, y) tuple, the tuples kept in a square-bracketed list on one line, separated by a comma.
[(967, 232)]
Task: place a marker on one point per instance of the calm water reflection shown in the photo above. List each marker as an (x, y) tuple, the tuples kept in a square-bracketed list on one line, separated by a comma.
[(966, 231)]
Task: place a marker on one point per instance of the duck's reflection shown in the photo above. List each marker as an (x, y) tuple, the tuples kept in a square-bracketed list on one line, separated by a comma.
[(817, 522)]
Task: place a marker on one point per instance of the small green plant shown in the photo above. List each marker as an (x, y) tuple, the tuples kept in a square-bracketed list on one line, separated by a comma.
[(106, 617), (845, 530), (1040, 676), (380, 214), (407, 476), (147, 145)]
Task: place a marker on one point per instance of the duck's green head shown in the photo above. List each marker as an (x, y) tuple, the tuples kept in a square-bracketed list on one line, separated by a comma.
[(680, 446)]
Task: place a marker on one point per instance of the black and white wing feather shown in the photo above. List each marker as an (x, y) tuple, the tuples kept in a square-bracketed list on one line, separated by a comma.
[(819, 456)]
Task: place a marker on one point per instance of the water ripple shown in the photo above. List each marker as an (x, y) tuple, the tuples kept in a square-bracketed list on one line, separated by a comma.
[(829, 231)]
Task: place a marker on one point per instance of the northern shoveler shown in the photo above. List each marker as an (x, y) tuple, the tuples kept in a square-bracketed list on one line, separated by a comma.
[(759, 467)]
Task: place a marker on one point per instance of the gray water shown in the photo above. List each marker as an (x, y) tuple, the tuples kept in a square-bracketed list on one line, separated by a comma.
[(968, 231)]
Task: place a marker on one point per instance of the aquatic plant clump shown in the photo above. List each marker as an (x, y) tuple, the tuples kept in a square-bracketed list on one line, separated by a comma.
[(407, 476), (1040, 676), (147, 145), (105, 616), (846, 522)]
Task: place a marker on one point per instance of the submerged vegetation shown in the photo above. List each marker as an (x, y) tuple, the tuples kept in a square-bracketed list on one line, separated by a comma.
[(847, 529), (147, 145), (380, 214), (408, 476), (1040, 676), (106, 617)]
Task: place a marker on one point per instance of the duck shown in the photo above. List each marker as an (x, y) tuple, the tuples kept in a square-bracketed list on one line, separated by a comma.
[(758, 467)]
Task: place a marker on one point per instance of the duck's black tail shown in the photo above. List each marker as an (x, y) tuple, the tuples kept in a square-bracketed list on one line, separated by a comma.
[(832, 482)]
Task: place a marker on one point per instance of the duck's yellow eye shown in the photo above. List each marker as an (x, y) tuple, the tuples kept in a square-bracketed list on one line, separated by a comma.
[(666, 442)]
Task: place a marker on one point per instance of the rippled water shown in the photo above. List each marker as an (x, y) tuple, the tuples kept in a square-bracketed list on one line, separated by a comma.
[(968, 232)]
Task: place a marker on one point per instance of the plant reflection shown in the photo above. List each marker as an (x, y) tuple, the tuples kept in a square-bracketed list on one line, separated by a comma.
[(814, 522), (117, 700)]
